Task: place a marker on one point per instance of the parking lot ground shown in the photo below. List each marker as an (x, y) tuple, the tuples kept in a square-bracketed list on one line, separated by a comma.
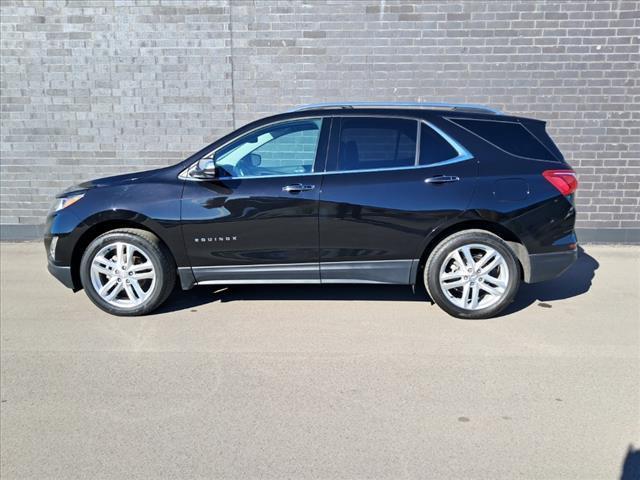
[(322, 381)]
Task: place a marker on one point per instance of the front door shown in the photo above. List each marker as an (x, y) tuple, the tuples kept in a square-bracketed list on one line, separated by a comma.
[(389, 183), (258, 219)]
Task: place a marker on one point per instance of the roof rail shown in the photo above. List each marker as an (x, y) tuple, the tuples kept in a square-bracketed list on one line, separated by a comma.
[(471, 107)]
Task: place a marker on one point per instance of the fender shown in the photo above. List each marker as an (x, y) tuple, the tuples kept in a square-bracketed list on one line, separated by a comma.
[(169, 232)]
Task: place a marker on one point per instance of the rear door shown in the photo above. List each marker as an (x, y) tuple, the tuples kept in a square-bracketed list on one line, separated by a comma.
[(389, 182)]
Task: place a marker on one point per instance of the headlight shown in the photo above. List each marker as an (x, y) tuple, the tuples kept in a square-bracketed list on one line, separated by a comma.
[(64, 202)]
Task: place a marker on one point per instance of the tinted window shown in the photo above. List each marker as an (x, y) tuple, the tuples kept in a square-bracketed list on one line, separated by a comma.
[(509, 136), (433, 147), (367, 143), (283, 148)]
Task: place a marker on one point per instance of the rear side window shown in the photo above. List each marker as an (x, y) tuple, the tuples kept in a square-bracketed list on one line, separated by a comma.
[(370, 143), (434, 148), (511, 137)]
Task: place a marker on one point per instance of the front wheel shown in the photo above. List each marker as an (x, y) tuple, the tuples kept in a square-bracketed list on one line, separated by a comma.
[(472, 274), (127, 272)]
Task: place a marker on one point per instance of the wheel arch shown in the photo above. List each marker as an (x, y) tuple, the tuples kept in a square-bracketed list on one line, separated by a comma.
[(514, 242), (103, 225)]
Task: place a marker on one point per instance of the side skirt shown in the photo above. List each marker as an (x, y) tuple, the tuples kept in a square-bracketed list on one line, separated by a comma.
[(400, 272), (381, 271)]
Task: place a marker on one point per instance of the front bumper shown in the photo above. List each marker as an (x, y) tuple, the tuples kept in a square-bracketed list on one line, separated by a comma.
[(62, 230), (63, 274), (546, 266)]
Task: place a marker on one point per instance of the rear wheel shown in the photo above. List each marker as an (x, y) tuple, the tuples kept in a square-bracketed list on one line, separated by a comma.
[(472, 274), (127, 272)]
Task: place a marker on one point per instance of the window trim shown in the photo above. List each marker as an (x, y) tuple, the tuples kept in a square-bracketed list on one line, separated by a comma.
[(463, 153)]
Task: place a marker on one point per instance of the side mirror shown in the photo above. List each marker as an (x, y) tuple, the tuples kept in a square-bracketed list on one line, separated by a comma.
[(205, 168)]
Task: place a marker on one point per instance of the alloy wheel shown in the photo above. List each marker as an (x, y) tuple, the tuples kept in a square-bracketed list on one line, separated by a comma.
[(123, 275), (474, 276)]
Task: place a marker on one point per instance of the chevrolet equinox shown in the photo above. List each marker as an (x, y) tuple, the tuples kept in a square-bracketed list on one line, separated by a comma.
[(462, 198)]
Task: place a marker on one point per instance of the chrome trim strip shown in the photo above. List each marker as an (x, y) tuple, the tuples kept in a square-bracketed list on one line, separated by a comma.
[(284, 175), (354, 281), (255, 282), (266, 267), (295, 265), (366, 170), (260, 266), (463, 155), (369, 170), (362, 262)]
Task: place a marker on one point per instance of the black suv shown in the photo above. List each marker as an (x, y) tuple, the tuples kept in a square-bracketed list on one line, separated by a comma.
[(461, 197)]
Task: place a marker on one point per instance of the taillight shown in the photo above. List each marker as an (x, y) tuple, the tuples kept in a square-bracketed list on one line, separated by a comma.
[(565, 181)]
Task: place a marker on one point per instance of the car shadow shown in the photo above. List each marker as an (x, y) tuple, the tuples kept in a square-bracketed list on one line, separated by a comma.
[(574, 282), (180, 300)]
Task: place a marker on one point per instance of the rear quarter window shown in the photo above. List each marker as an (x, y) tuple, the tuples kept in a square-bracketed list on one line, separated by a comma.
[(434, 148), (510, 137)]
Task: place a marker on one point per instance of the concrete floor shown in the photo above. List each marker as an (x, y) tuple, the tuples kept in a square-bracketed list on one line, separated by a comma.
[(322, 382)]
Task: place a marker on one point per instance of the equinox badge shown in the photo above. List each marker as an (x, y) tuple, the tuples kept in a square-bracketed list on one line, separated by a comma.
[(215, 239)]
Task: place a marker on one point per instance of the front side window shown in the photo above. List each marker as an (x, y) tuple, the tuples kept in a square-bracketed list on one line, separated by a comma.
[(373, 143), (286, 148)]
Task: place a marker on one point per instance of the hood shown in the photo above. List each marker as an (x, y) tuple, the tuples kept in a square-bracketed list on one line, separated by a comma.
[(127, 178)]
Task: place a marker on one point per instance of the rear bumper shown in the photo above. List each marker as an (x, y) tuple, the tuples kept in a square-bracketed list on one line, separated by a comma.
[(63, 274), (546, 266)]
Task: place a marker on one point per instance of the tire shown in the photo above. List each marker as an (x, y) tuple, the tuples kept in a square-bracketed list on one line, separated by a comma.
[(496, 282), (133, 261)]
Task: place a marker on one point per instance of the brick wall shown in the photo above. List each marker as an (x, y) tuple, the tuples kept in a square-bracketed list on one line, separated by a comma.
[(96, 88)]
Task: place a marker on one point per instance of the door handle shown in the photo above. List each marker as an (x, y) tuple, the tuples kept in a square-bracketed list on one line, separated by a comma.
[(442, 179), (298, 187)]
